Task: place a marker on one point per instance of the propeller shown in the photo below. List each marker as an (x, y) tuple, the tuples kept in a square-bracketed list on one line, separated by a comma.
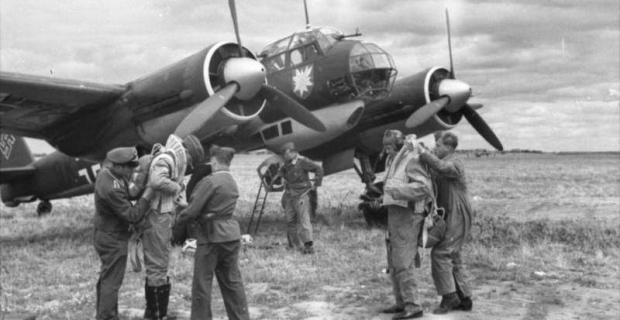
[(291, 108), (483, 129), (195, 119), (244, 78), (453, 96), (233, 13)]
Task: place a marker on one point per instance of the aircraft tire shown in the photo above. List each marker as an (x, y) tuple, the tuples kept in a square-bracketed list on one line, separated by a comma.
[(44, 208)]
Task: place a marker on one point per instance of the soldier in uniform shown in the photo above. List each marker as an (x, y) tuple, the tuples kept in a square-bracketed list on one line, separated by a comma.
[(295, 200), (212, 204), (113, 215), (407, 195), (166, 175), (446, 265)]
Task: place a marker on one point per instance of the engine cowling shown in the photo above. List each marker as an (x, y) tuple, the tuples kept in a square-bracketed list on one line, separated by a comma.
[(160, 101)]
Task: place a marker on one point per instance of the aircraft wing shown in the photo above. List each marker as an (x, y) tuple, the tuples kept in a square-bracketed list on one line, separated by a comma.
[(8, 175), (29, 105)]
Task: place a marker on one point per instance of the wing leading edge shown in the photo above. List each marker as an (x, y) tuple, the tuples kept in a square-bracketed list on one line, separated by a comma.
[(30, 105)]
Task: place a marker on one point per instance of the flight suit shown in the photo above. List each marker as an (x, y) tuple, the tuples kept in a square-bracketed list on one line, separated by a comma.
[(212, 205), (113, 215), (407, 192), (296, 201), (157, 227), (446, 263)]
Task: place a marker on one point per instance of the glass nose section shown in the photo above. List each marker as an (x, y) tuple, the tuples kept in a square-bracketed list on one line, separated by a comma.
[(372, 71)]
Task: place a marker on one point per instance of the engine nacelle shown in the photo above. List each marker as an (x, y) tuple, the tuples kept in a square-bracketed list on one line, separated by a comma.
[(160, 101), (337, 120)]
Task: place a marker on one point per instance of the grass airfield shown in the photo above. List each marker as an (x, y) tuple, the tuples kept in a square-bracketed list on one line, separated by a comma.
[(545, 244)]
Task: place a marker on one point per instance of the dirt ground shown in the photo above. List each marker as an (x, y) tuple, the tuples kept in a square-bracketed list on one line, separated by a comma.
[(547, 296)]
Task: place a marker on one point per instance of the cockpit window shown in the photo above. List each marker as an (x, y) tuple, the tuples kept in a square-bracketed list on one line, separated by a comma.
[(325, 37), (276, 47), (372, 71)]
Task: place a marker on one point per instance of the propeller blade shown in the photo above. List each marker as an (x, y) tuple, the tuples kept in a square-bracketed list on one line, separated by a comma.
[(205, 111), (233, 13), (426, 112), (483, 129), (452, 76), (291, 108)]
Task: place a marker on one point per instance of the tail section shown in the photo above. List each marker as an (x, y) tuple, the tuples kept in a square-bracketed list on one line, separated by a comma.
[(16, 159)]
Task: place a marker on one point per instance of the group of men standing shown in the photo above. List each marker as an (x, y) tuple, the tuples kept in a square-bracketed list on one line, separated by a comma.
[(212, 204), (416, 182)]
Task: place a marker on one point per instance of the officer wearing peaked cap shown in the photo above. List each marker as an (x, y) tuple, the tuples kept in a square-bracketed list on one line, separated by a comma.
[(113, 215), (123, 156)]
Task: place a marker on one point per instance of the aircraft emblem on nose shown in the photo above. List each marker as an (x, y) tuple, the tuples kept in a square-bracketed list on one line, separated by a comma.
[(303, 81)]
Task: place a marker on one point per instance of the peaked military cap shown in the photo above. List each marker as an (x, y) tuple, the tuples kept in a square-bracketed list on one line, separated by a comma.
[(123, 155), (194, 148)]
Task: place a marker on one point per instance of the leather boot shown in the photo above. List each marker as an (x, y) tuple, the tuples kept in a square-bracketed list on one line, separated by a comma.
[(448, 302), (411, 311), (308, 248), (466, 303), (150, 312), (394, 309), (163, 296)]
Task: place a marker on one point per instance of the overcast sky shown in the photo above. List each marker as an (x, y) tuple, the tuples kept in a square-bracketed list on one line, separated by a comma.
[(547, 72)]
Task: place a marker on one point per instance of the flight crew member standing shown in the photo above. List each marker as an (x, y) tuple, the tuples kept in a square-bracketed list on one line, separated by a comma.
[(295, 200), (166, 175), (446, 265), (114, 213), (212, 204), (407, 195)]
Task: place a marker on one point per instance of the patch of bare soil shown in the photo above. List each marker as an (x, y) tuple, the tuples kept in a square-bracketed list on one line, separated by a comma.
[(555, 296)]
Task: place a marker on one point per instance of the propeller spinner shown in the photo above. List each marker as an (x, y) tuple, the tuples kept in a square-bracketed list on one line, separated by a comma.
[(453, 96), (244, 78)]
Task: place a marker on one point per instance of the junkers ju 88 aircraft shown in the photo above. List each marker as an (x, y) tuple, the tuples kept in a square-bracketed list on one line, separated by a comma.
[(330, 93)]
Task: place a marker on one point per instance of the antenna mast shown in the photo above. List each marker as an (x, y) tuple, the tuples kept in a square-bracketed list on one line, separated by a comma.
[(307, 19)]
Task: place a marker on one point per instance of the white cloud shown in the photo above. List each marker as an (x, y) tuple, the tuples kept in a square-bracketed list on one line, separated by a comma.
[(540, 68)]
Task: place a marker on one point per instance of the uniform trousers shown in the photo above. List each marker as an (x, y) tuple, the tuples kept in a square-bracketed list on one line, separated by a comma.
[(156, 241), (446, 264), (113, 254), (298, 225), (221, 259), (404, 228)]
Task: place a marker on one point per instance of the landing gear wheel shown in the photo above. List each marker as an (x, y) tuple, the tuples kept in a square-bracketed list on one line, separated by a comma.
[(44, 208)]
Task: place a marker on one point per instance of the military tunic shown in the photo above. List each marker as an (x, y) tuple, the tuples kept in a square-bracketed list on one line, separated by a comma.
[(296, 201), (212, 205), (113, 215), (446, 264), (407, 192)]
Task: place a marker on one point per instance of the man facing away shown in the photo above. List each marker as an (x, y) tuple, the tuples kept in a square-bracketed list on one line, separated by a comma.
[(212, 204), (407, 195), (114, 213), (166, 174), (295, 200), (446, 265)]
